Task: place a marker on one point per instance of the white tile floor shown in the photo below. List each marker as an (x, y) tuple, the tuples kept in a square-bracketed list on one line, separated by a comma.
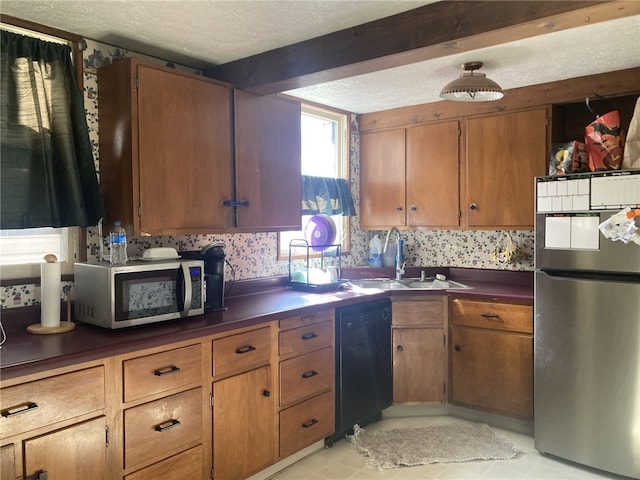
[(341, 462)]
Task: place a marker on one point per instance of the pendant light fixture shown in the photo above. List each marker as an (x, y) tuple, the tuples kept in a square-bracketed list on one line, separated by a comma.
[(472, 86)]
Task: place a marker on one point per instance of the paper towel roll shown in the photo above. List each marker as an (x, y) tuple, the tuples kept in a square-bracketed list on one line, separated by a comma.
[(50, 293)]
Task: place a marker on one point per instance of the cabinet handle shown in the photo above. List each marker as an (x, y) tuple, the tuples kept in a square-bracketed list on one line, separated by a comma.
[(166, 371), (309, 336), (473, 206), (490, 315), (457, 348), (413, 208), (266, 393), (245, 349), (400, 348), (399, 209), (17, 410), (167, 425), (235, 203), (310, 423), (309, 374)]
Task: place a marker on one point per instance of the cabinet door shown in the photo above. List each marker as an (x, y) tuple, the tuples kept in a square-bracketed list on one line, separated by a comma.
[(244, 435), (78, 452), (419, 359), (492, 371), (8, 462), (268, 162), (185, 161), (504, 153), (382, 179), (432, 175)]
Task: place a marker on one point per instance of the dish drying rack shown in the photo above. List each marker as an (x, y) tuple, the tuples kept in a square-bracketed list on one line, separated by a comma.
[(329, 255)]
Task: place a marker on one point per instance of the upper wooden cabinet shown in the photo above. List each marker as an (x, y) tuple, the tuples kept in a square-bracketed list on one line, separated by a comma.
[(165, 149), (268, 162), (493, 179), (432, 175), (504, 152), (167, 163), (409, 177), (382, 179)]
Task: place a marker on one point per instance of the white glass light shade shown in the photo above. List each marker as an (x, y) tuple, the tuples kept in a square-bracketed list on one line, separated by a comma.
[(472, 86)]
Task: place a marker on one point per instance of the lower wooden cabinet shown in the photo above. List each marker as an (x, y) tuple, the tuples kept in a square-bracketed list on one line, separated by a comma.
[(419, 360), (244, 436), (55, 425), (492, 357), (74, 452), (185, 465), (162, 427), (307, 422), (306, 380), (419, 349)]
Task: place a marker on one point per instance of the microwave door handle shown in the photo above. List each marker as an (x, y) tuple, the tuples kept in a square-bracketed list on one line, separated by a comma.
[(187, 288)]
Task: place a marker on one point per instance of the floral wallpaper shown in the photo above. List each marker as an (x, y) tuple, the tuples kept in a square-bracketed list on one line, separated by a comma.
[(255, 255)]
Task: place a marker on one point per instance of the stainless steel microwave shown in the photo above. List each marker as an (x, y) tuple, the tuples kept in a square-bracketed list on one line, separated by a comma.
[(140, 292)]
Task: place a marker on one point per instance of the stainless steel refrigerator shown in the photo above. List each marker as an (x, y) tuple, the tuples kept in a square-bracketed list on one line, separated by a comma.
[(587, 320)]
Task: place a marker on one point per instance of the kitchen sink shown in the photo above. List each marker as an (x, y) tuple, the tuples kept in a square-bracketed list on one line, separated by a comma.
[(379, 283), (407, 284)]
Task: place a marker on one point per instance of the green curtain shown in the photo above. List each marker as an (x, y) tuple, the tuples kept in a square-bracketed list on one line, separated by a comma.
[(325, 195), (47, 171)]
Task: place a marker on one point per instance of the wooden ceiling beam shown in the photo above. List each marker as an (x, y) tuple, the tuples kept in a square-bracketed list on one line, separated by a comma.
[(432, 31)]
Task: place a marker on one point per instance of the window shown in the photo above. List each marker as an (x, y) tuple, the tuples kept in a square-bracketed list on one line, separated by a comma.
[(22, 251), (325, 153)]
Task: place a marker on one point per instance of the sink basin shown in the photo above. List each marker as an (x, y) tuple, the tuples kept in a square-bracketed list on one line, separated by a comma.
[(379, 283), (431, 284), (406, 283)]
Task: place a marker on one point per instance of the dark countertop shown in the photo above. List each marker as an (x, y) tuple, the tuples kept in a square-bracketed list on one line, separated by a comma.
[(252, 303)]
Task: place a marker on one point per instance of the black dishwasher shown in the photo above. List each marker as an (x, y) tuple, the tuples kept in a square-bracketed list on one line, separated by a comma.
[(364, 384)]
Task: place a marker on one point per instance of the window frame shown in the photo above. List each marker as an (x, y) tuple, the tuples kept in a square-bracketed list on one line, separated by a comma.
[(343, 120)]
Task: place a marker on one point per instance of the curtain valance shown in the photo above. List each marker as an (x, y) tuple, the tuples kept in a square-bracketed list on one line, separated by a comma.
[(324, 195), (47, 171)]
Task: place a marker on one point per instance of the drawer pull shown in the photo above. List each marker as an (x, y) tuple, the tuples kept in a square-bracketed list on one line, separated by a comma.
[(167, 425), (457, 348), (266, 393), (310, 423), (246, 349), (166, 371), (309, 374), (489, 315), (309, 336), (25, 407)]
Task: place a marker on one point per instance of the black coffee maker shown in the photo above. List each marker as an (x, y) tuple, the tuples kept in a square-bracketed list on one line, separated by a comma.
[(214, 260)]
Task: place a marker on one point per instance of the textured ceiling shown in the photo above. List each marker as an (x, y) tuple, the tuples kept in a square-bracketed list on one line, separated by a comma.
[(201, 33)]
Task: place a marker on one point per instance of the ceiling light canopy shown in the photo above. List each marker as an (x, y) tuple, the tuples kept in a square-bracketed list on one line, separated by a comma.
[(472, 87)]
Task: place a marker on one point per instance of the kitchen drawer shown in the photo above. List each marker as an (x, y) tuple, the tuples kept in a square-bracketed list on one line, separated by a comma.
[(242, 351), (185, 465), (306, 375), (151, 374), (306, 423), (308, 319), (495, 316), (420, 312), (157, 428), (306, 339), (50, 400)]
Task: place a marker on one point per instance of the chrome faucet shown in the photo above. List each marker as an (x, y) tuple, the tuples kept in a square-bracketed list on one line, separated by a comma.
[(399, 260)]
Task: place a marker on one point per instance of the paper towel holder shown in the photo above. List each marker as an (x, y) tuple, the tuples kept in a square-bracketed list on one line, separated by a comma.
[(63, 326)]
